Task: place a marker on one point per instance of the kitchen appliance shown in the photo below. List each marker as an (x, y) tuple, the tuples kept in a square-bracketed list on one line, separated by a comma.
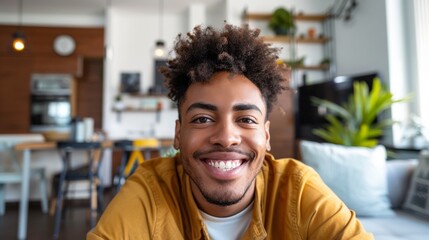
[(51, 102), (82, 129)]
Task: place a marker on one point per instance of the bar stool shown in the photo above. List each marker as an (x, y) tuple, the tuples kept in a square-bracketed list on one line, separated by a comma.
[(90, 172), (129, 164)]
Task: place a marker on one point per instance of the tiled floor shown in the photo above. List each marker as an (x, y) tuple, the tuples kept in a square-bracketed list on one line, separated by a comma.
[(74, 226)]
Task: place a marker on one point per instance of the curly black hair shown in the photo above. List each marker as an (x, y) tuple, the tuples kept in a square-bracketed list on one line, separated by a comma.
[(238, 50)]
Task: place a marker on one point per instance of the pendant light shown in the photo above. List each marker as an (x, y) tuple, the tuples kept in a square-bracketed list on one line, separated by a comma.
[(18, 43), (160, 51)]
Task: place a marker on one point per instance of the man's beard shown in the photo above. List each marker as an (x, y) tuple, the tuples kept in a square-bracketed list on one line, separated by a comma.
[(221, 199)]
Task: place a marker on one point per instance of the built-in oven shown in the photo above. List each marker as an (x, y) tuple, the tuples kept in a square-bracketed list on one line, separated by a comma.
[(51, 105)]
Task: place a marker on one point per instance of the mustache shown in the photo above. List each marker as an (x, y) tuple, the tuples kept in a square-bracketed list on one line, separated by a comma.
[(197, 154)]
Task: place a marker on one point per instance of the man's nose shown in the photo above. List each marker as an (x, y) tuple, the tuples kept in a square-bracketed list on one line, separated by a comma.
[(226, 134)]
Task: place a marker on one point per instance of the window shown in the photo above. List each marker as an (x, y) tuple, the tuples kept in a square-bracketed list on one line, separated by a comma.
[(421, 19)]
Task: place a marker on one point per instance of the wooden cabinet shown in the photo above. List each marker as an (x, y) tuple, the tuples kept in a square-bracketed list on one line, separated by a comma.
[(282, 126), (89, 91)]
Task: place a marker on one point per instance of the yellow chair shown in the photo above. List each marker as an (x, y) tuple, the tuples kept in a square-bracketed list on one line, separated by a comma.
[(136, 157)]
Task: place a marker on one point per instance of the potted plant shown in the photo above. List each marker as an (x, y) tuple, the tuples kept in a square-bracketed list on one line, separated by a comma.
[(282, 22), (353, 123), (118, 104)]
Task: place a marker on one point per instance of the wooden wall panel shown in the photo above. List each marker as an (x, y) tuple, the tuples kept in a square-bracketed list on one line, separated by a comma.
[(282, 126), (89, 91), (14, 95), (39, 57)]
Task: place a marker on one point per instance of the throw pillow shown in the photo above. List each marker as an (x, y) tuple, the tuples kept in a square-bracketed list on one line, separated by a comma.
[(418, 194), (399, 174), (356, 174)]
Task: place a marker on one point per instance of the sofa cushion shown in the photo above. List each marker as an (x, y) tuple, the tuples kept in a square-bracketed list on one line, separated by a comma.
[(418, 194), (356, 174), (399, 173), (402, 226)]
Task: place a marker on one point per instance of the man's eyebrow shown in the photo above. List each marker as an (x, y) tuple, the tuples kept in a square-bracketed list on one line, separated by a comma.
[(244, 107), (211, 107), (201, 105)]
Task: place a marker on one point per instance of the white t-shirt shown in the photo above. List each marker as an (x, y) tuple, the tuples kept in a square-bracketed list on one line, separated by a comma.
[(228, 228)]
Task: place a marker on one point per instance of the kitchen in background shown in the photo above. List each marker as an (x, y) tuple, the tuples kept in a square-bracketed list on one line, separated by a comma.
[(29, 102)]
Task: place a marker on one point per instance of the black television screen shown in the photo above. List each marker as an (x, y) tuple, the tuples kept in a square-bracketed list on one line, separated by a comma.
[(337, 90)]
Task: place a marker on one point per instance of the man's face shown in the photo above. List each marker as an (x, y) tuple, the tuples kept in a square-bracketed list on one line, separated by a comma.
[(222, 136)]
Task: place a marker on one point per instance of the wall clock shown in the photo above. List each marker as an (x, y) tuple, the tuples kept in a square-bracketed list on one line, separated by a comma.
[(64, 45)]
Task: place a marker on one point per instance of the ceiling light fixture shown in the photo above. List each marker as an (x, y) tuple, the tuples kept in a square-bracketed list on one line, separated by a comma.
[(18, 43), (160, 51)]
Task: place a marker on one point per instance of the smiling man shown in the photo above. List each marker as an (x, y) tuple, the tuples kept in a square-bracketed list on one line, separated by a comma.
[(223, 184)]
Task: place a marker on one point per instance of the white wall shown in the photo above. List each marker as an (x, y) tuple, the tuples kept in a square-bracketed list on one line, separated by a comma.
[(361, 43), (53, 19), (216, 14), (131, 39), (196, 15)]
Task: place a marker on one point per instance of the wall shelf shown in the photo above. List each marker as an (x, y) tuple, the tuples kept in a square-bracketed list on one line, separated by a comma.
[(314, 68), (144, 95), (300, 39), (298, 17), (286, 39), (137, 110)]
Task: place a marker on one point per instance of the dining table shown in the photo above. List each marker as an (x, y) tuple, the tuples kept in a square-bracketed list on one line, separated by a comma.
[(27, 148)]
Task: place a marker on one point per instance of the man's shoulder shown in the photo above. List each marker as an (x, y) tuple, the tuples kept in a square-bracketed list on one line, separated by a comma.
[(286, 166), (159, 165), (144, 202), (157, 170)]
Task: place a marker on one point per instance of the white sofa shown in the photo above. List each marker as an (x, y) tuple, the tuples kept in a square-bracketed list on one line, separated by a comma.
[(405, 224), (374, 188)]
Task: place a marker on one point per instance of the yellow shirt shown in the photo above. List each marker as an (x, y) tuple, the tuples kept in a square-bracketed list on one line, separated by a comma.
[(291, 202)]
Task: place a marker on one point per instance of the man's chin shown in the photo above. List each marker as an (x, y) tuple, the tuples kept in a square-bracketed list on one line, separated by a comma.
[(223, 202)]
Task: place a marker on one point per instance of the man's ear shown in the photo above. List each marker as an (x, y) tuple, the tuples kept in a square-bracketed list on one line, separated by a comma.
[(267, 135), (177, 135)]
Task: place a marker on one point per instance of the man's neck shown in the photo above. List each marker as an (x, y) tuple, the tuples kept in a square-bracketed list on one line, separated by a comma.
[(222, 211)]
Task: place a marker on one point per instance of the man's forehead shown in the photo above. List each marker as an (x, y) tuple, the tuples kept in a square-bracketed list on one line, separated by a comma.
[(215, 99)]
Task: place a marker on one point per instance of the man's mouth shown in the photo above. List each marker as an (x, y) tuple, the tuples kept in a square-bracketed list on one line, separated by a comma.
[(225, 165), (224, 160)]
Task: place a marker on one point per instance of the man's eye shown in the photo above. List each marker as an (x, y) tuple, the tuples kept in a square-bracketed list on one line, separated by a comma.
[(247, 120), (201, 120)]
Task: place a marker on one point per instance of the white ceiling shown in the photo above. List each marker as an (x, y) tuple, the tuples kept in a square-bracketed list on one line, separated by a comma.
[(92, 6)]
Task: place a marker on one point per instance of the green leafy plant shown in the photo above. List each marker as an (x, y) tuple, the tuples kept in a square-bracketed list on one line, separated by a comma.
[(353, 123), (295, 63), (282, 22), (118, 97)]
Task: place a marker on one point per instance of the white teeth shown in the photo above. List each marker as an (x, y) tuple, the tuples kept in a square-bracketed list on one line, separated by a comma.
[(222, 165), (228, 164), (225, 166)]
